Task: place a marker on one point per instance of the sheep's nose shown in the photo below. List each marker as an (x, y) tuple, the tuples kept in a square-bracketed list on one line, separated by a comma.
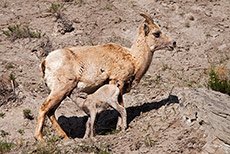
[(174, 44)]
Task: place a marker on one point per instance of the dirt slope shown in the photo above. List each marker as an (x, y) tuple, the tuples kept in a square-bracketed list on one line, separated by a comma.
[(201, 29)]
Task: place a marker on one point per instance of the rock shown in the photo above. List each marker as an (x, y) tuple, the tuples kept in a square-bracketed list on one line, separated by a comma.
[(210, 109)]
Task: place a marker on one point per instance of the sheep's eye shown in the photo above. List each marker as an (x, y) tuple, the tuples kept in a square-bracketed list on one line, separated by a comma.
[(157, 34)]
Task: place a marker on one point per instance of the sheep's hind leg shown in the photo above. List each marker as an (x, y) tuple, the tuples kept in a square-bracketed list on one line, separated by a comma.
[(49, 107)]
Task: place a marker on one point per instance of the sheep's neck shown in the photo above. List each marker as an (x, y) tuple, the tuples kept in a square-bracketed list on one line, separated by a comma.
[(142, 55)]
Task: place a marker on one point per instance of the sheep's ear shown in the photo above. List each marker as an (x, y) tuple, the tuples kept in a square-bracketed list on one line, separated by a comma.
[(146, 29)]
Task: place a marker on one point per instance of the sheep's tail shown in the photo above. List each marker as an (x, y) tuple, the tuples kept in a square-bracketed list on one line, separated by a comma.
[(43, 68)]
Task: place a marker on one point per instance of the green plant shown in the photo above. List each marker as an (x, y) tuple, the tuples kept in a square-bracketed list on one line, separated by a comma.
[(218, 80), (12, 77), (27, 114), (5, 146), (149, 142), (47, 148), (56, 8), (2, 115), (9, 66), (53, 139), (187, 25), (113, 131), (90, 149), (17, 32), (4, 133), (21, 131)]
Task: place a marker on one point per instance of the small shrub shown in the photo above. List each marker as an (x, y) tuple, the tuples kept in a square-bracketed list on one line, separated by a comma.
[(149, 142), (17, 32), (4, 133), (12, 77), (2, 115), (47, 148), (54, 8), (90, 149), (218, 80), (27, 114), (187, 25), (5, 146), (9, 66), (21, 131)]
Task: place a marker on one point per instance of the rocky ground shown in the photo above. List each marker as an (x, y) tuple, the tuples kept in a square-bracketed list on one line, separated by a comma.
[(171, 110)]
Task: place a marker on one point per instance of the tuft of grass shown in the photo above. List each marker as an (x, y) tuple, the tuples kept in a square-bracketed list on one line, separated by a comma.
[(149, 142), (47, 148), (16, 32), (9, 66), (4, 133), (12, 77), (53, 139), (2, 115), (187, 24), (5, 146), (55, 8), (27, 114), (113, 131), (118, 20), (21, 131), (90, 149), (218, 80)]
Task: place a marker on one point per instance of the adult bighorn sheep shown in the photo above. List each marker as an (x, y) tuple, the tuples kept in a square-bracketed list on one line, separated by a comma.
[(86, 68)]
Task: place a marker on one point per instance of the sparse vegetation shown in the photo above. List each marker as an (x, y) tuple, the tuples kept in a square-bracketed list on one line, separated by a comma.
[(21, 131), (149, 142), (83, 148), (187, 25), (219, 80), (5, 146), (2, 115), (4, 133), (9, 66), (47, 148), (17, 32), (27, 114), (56, 10)]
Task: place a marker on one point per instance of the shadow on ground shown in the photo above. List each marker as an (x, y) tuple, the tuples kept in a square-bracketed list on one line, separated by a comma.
[(75, 126)]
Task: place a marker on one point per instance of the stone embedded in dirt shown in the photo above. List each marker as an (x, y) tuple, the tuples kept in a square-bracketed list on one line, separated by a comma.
[(64, 25), (208, 108)]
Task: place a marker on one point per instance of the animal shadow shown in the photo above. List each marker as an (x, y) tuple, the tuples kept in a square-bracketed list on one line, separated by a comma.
[(106, 122)]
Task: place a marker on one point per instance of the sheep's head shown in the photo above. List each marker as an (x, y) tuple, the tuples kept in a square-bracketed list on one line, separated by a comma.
[(155, 39)]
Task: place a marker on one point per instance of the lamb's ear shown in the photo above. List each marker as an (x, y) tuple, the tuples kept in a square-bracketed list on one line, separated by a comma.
[(146, 29)]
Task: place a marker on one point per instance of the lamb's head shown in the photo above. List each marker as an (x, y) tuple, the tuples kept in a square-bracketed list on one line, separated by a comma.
[(155, 39)]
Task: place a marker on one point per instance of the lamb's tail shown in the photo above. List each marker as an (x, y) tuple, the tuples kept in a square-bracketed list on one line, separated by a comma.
[(42, 68)]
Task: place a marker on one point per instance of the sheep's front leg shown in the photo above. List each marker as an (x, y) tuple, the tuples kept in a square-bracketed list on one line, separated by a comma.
[(119, 120)]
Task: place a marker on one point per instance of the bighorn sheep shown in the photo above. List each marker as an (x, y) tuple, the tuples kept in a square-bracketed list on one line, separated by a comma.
[(86, 68), (99, 101)]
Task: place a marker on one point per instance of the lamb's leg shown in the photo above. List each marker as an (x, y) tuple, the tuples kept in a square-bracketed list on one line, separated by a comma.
[(93, 115), (87, 131), (51, 103)]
